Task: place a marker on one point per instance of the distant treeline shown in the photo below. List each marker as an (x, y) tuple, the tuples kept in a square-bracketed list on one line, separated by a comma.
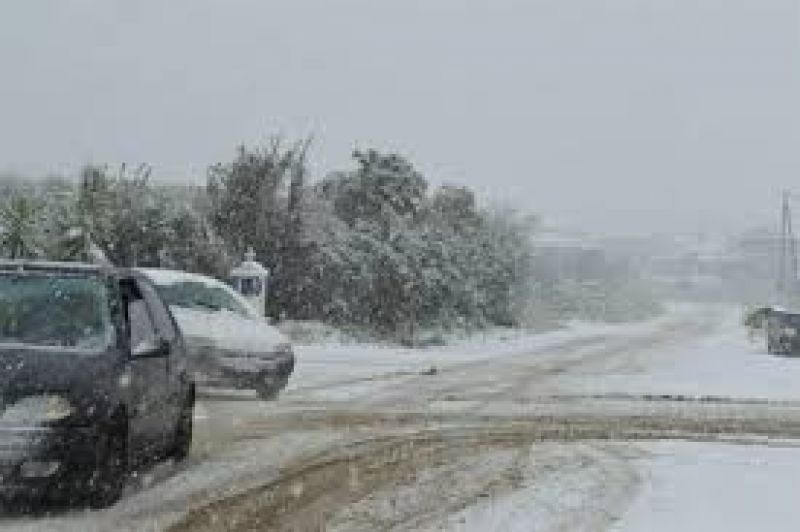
[(372, 247)]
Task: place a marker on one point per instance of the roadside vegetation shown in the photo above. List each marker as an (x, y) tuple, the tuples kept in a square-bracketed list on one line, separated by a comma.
[(373, 249)]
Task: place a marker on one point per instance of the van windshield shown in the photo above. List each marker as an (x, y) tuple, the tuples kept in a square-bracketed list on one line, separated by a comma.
[(54, 311)]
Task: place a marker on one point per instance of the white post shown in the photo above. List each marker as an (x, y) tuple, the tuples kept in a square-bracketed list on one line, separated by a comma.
[(251, 280)]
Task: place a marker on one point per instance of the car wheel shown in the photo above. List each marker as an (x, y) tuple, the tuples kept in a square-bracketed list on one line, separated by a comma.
[(268, 388), (111, 473), (266, 392), (182, 443), (784, 348)]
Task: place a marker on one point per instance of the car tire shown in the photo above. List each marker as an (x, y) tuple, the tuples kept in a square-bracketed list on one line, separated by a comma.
[(182, 442), (783, 347), (269, 388), (111, 473), (267, 392)]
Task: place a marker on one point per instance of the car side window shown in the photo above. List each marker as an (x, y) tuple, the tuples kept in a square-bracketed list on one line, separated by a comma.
[(161, 316), (141, 325)]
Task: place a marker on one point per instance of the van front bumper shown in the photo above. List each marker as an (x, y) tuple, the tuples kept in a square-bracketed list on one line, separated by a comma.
[(39, 459)]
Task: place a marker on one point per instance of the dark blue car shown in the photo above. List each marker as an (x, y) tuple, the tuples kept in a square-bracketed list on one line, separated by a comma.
[(93, 382)]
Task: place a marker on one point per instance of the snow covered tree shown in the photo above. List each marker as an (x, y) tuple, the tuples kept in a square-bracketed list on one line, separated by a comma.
[(378, 206), (250, 205), (19, 227), (385, 190), (396, 259), (291, 288), (193, 245), (247, 199), (140, 220)]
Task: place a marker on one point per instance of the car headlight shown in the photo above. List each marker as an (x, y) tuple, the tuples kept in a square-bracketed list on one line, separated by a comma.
[(37, 410)]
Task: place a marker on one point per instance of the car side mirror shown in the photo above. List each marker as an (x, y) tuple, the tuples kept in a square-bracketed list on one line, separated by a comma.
[(151, 349)]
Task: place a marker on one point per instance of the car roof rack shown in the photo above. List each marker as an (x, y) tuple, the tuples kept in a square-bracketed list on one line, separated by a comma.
[(52, 267)]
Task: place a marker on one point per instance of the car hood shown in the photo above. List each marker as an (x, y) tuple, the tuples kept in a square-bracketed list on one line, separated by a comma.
[(228, 331)]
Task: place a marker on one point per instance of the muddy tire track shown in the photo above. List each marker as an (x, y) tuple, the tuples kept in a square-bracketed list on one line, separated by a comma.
[(417, 441), (312, 491)]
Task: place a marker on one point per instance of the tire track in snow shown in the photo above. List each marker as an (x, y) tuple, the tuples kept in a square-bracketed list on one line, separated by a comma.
[(313, 491), (280, 504)]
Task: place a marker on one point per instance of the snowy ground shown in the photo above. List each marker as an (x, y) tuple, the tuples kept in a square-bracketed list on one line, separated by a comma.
[(703, 487), (724, 364), (675, 424), (346, 371)]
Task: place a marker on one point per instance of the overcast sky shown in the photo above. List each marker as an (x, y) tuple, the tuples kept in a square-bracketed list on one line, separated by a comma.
[(613, 115)]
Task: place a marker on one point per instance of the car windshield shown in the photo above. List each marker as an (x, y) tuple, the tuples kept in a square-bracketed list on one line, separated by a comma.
[(54, 312), (201, 296)]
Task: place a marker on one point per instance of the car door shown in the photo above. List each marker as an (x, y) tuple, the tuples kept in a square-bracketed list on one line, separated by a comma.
[(148, 375), (175, 370)]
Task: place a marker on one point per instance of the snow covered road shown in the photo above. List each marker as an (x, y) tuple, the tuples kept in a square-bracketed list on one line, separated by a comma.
[(577, 429), (709, 487)]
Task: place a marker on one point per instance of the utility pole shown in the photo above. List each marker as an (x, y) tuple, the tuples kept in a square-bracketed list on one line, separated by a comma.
[(787, 267)]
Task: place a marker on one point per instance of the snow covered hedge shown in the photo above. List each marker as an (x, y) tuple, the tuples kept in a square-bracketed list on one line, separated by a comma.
[(371, 249)]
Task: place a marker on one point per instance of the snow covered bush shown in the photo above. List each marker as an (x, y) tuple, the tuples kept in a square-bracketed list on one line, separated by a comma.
[(373, 250), (395, 258)]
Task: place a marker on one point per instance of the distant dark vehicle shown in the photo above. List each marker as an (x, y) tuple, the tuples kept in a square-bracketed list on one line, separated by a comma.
[(783, 332), (229, 343), (755, 320), (94, 381)]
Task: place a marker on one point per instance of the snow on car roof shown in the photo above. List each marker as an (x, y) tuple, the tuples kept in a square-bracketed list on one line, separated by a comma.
[(163, 277), (167, 277)]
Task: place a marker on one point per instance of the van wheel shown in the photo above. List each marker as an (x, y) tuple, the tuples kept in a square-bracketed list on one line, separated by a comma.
[(111, 473), (182, 443)]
